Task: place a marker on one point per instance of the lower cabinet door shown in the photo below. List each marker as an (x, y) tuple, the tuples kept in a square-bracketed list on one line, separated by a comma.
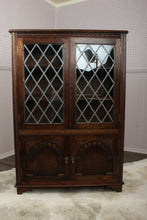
[(81, 160), (44, 158), (95, 159)]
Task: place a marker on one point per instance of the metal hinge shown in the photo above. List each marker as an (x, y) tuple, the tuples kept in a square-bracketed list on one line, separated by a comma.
[(120, 50), (17, 49)]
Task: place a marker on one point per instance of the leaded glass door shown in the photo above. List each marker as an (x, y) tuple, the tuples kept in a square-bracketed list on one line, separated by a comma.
[(43, 96), (96, 84)]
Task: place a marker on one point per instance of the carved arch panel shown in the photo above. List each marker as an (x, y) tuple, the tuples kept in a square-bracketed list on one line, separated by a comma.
[(94, 158), (44, 159)]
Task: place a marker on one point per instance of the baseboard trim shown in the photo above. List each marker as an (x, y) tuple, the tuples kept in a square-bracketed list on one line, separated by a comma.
[(7, 154), (136, 150)]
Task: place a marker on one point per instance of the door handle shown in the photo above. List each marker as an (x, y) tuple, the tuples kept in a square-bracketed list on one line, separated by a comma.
[(72, 160), (66, 159)]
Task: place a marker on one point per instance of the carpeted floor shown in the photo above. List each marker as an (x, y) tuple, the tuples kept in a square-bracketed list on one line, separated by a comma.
[(77, 204)]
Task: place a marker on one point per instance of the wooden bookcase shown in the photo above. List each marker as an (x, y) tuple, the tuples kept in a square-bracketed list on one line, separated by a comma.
[(69, 101)]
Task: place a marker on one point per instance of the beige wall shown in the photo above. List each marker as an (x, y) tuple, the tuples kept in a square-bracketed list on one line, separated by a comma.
[(6, 121), (128, 15), (16, 14), (136, 111)]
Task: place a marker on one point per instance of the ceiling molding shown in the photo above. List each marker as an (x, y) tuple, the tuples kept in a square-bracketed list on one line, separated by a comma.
[(60, 3)]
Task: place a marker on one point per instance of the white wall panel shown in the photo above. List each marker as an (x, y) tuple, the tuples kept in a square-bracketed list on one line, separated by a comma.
[(6, 114), (21, 14), (136, 112), (5, 23), (128, 15), (16, 14)]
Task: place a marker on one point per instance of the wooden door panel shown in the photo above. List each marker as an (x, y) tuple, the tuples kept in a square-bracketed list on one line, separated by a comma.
[(44, 158), (95, 157), (42, 73), (94, 161)]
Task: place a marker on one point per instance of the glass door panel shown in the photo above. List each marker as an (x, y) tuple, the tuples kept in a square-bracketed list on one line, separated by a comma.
[(94, 87), (43, 84)]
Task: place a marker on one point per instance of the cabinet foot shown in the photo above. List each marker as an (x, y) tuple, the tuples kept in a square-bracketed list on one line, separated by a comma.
[(21, 190), (117, 188)]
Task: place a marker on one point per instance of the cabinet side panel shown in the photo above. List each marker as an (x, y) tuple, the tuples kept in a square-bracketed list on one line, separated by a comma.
[(122, 100), (15, 106)]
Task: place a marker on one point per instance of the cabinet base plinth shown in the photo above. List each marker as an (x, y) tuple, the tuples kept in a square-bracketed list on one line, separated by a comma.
[(22, 189)]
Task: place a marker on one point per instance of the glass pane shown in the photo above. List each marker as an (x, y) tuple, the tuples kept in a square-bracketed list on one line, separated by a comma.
[(94, 83), (43, 84)]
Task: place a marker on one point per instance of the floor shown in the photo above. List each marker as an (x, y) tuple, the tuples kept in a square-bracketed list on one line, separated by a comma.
[(9, 162)]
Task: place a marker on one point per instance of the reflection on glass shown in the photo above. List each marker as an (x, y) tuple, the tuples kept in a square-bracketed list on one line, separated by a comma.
[(94, 83)]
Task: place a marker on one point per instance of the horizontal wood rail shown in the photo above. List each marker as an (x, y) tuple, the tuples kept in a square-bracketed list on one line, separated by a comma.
[(68, 132)]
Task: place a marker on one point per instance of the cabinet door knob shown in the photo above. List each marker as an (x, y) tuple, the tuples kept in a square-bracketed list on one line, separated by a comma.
[(73, 160), (66, 160)]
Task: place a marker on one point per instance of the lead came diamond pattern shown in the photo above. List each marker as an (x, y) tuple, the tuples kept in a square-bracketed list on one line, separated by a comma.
[(94, 83), (43, 84)]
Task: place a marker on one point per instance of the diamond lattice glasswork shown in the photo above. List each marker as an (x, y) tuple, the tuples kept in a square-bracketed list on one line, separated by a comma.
[(43, 84), (94, 83)]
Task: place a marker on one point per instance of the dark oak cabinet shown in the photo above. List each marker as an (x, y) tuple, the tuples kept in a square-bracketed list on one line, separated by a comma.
[(69, 101)]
